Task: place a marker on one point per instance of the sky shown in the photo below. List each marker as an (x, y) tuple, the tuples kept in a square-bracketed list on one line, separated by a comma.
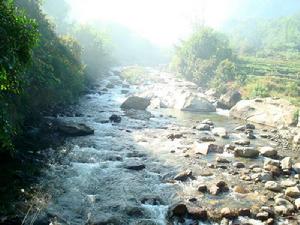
[(164, 22)]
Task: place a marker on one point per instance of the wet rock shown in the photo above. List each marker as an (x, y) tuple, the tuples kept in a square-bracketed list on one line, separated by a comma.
[(183, 176), (220, 132), (206, 148), (228, 213), (138, 114), (178, 210), (251, 136), (268, 151), (240, 190), (238, 165), (208, 122), (222, 160), (293, 192), (74, 129), (202, 188), (135, 166), (273, 186), (207, 139), (244, 212), (175, 136), (115, 118), (263, 216), (134, 211), (152, 200), (228, 100), (197, 213), (135, 102), (286, 163), (246, 152), (242, 142), (203, 127), (218, 188)]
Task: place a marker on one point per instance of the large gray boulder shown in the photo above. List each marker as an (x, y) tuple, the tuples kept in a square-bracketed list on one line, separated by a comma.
[(228, 100), (196, 104), (266, 111), (135, 102)]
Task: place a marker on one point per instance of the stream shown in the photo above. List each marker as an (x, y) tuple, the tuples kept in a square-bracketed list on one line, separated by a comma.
[(123, 174)]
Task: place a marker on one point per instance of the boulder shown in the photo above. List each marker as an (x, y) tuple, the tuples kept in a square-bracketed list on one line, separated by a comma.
[(228, 100), (206, 148), (178, 210), (246, 152), (196, 104), (183, 176), (220, 132), (266, 111), (135, 102), (268, 151), (74, 129), (115, 118)]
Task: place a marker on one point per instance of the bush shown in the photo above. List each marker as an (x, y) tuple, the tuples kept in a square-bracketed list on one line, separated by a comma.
[(260, 91)]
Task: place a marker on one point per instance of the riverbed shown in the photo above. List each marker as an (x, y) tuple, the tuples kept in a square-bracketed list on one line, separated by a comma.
[(124, 172)]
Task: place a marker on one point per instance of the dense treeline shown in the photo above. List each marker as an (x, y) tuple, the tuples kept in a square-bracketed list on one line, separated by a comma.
[(243, 56), (38, 69)]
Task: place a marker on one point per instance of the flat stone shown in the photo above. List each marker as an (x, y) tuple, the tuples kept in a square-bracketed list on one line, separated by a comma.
[(267, 151), (240, 190), (273, 186)]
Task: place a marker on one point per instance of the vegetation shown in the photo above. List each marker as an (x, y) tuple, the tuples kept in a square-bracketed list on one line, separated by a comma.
[(261, 58), (38, 69)]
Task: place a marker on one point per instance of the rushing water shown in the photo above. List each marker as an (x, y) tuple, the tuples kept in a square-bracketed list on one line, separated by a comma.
[(92, 185)]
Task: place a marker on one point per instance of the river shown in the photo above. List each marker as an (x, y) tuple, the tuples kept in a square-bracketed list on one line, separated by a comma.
[(93, 185)]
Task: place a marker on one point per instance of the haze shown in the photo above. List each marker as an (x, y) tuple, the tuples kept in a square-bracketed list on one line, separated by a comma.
[(165, 22)]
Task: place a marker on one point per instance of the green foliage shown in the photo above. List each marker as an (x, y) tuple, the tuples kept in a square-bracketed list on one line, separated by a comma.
[(198, 57), (260, 91), (18, 35)]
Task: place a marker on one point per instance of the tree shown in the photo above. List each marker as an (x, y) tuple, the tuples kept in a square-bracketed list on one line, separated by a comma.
[(18, 36), (198, 57)]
